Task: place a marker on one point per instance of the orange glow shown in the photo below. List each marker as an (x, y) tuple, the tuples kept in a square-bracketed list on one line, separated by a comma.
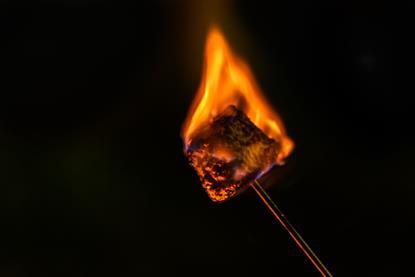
[(227, 80)]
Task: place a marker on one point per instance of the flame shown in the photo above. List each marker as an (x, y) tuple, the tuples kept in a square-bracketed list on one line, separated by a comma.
[(227, 80)]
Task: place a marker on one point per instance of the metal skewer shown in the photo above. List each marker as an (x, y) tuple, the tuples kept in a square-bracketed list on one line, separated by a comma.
[(312, 257)]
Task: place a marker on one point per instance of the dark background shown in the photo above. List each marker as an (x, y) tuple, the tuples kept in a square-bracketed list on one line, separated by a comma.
[(92, 177)]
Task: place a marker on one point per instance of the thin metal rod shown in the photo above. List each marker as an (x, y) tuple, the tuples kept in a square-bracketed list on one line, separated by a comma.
[(312, 257)]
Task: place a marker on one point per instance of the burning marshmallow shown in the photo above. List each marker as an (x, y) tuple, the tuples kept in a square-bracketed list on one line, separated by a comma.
[(230, 153), (231, 134)]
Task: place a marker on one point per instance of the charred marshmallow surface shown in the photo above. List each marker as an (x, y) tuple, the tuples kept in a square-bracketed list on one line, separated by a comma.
[(230, 153)]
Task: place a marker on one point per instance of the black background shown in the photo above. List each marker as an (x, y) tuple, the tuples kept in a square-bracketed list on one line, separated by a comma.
[(92, 177)]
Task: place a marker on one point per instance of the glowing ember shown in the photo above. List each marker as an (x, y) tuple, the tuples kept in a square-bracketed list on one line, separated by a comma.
[(231, 134)]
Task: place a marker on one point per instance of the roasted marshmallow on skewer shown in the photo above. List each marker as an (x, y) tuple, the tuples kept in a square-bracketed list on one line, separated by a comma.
[(232, 136)]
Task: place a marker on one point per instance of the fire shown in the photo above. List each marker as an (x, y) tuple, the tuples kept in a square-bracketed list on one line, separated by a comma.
[(227, 80)]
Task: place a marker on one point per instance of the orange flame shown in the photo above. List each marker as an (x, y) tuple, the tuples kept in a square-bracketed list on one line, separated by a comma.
[(228, 80)]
